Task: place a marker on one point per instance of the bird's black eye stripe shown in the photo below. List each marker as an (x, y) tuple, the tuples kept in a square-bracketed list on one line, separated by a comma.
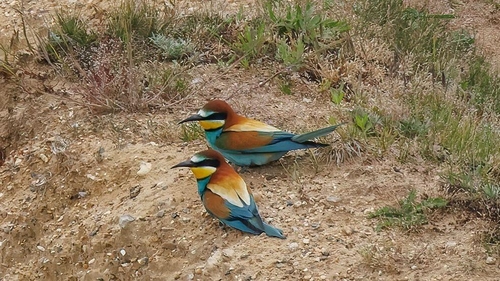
[(216, 116), (209, 162)]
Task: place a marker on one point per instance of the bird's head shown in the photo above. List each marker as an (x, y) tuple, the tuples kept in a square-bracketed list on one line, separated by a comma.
[(203, 164), (212, 116)]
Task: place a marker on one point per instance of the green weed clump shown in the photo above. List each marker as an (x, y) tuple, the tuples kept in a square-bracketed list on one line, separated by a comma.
[(409, 214), (136, 21)]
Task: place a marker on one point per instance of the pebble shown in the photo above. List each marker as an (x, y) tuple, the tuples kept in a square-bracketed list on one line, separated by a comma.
[(305, 241), (124, 220), (490, 260), (43, 157), (82, 194), (333, 199), (134, 191), (161, 185), (123, 252), (413, 267), (293, 245), (40, 248), (143, 261), (144, 168), (450, 244), (160, 214), (7, 228), (91, 261), (347, 231), (228, 252)]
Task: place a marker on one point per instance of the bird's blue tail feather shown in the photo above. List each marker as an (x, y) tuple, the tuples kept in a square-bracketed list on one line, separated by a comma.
[(318, 133)]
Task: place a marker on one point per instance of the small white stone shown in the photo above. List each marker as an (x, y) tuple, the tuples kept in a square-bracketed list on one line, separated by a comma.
[(125, 220), (490, 260), (40, 248), (123, 252), (293, 245), (43, 157), (333, 199), (91, 261), (143, 261), (450, 244), (228, 252), (305, 241), (144, 168)]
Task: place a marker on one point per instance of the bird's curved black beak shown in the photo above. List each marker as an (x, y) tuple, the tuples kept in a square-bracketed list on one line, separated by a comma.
[(187, 163), (195, 117)]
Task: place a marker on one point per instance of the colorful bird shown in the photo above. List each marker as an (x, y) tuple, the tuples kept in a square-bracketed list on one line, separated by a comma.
[(225, 195), (248, 142)]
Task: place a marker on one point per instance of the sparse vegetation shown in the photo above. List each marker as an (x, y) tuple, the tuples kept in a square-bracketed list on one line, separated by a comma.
[(409, 214), (191, 131)]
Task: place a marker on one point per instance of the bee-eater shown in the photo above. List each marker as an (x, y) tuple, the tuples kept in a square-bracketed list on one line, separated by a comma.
[(225, 195), (248, 142)]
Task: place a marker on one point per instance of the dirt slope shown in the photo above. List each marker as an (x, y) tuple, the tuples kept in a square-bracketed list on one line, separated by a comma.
[(72, 176)]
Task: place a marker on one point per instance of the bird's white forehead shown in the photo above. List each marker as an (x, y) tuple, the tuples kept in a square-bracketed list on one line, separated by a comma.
[(197, 158), (204, 113)]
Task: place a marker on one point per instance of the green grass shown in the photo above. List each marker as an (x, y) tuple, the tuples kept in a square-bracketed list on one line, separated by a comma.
[(304, 21), (70, 35), (136, 21), (451, 101), (481, 86), (191, 131), (252, 42), (409, 213)]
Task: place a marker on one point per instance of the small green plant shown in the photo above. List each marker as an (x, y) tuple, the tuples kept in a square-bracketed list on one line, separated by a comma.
[(409, 213), (286, 86), (412, 127), (251, 42), (303, 21), (172, 48), (291, 55), (75, 30), (363, 122), (71, 33), (337, 95), (138, 20), (491, 191), (191, 131)]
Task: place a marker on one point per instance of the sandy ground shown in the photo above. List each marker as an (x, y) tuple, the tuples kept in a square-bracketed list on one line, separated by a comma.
[(72, 176)]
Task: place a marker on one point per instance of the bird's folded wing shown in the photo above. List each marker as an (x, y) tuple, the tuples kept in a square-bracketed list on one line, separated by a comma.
[(246, 124), (233, 190)]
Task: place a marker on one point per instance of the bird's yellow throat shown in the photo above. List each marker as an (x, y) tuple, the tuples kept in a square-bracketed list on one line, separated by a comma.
[(211, 124), (203, 172)]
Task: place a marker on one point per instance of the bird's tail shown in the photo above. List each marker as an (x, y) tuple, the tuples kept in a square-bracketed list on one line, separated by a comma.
[(318, 133), (273, 231)]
